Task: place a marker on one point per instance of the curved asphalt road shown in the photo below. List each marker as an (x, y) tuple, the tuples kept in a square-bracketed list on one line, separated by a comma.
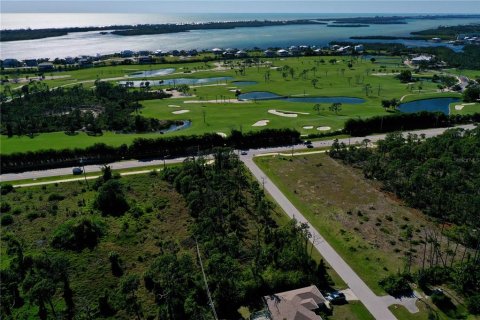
[(142, 163)]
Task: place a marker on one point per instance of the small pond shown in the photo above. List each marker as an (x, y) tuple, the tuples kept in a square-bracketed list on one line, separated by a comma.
[(431, 105), (175, 127), (244, 83), (265, 95), (151, 73), (174, 82)]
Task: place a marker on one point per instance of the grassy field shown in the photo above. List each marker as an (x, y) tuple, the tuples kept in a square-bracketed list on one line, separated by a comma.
[(363, 224), (210, 111)]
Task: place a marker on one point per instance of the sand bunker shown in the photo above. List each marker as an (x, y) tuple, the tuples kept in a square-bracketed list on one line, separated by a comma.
[(459, 107), (221, 134), (323, 128), (173, 106), (281, 114), (180, 111), (308, 127), (260, 123)]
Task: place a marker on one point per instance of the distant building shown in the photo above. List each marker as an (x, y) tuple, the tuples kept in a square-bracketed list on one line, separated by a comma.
[(299, 304), (421, 59), (345, 49), (282, 53), (269, 53), (359, 48), (143, 53), (85, 62), (11, 63), (175, 53), (241, 54), (159, 53), (217, 51), (145, 59), (45, 66), (31, 62), (127, 53), (436, 40), (69, 60)]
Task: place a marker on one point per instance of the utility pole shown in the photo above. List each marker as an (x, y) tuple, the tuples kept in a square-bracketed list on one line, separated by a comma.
[(206, 284)]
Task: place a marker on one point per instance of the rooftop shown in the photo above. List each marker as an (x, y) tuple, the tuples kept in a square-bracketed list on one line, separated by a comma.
[(295, 304)]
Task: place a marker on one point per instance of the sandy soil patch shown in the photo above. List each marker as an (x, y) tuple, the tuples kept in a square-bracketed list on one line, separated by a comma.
[(180, 111), (307, 127), (323, 128), (222, 134), (260, 123)]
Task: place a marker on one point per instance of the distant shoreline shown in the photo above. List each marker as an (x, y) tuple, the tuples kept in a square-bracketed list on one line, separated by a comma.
[(149, 29)]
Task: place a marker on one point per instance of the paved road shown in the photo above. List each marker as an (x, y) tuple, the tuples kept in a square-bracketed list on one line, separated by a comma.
[(137, 163), (377, 307)]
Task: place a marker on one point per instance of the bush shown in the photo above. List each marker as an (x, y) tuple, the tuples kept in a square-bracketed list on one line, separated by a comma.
[(78, 234), (396, 285), (32, 216), (473, 304), (5, 207), (6, 189), (443, 302), (56, 197), (110, 199), (6, 220)]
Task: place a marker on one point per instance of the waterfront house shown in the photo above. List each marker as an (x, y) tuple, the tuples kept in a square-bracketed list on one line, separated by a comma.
[(127, 53), (11, 63), (359, 48), (241, 54), (145, 59), (269, 53), (421, 59), (31, 62), (282, 53), (45, 66)]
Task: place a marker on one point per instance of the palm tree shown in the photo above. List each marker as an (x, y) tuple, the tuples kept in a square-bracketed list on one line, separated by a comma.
[(317, 107)]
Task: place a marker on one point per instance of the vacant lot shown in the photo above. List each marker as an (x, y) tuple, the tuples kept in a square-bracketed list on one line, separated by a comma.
[(366, 226)]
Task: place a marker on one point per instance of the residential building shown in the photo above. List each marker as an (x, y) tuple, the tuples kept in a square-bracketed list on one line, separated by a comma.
[(299, 304)]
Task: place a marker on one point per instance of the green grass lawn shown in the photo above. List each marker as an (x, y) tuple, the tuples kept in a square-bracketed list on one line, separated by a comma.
[(333, 80)]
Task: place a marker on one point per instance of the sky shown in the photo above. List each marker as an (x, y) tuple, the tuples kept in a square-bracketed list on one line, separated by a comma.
[(243, 6)]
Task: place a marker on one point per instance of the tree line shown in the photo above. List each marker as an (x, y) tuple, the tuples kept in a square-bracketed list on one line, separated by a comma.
[(142, 148), (405, 121)]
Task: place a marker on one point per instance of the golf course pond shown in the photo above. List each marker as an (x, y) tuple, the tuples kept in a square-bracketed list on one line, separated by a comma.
[(431, 105), (183, 124), (265, 95), (178, 81), (151, 73)]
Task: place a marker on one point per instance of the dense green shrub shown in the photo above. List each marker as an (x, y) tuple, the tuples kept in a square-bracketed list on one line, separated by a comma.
[(110, 199), (6, 220), (396, 285), (5, 207), (78, 234), (6, 188), (473, 304), (55, 197)]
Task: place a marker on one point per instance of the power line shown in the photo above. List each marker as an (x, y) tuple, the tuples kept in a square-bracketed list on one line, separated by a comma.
[(206, 283)]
